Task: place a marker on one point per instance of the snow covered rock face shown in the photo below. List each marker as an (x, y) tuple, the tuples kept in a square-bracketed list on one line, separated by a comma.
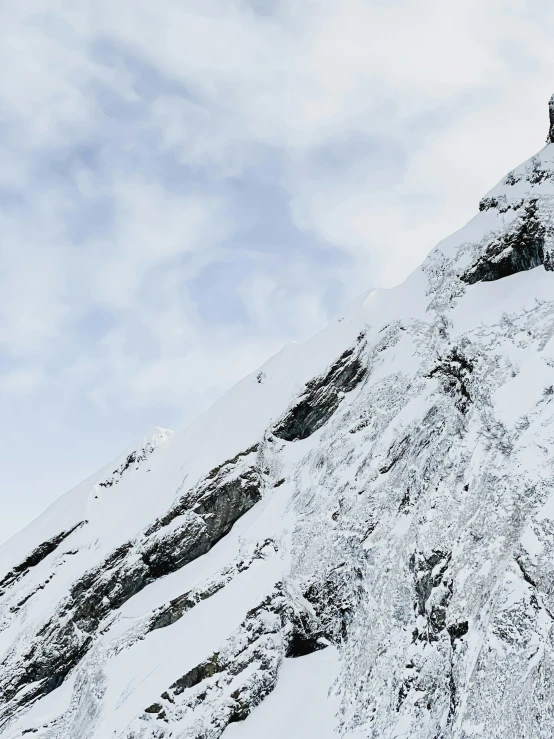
[(357, 540)]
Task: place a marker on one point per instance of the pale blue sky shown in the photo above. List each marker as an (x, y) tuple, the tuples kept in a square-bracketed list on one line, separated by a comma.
[(185, 185)]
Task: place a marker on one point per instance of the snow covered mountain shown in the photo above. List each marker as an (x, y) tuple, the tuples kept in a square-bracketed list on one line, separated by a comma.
[(357, 540)]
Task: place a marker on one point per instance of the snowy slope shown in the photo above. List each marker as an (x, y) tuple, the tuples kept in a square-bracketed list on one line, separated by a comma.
[(356, 540)]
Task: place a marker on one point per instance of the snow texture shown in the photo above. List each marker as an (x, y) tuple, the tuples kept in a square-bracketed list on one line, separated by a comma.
[(357, 540)]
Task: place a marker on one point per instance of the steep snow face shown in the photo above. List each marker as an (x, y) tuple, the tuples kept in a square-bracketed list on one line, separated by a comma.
[(358, 538)]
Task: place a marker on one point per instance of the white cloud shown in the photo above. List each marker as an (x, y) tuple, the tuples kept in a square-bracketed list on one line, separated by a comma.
[(32, 281), (20, 382), (152, 228)]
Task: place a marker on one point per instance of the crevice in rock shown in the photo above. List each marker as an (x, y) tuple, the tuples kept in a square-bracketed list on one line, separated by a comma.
[(300, 645)]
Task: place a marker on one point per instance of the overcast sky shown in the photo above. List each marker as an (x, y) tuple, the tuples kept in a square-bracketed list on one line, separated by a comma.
[(186, 185)]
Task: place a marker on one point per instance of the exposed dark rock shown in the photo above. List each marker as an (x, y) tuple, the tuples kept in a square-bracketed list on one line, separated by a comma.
[(218, 474), (236, 717), (549, 260), (302, 632), (154, 708), (131, 459), (519, 249), (511, 179), (530, 581), (537, 173), (395, 454), (321, 398), (487, 203), (526, 576), (21, 603), (550, 137), (176, 608), (405, 687), (35, 558), (300, 645), (427, 585), (405, 502), (207, 514), (195, 676), (455, 371), (452, 689), (251, 657), (278, 626), (332, 604), (135, 457), (433, 591), (457, 631)]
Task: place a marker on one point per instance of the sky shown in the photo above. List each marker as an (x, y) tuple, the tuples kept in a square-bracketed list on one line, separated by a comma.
[(187, 185)]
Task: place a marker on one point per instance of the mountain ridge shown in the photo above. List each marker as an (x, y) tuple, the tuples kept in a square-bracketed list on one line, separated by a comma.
[(373, 508)]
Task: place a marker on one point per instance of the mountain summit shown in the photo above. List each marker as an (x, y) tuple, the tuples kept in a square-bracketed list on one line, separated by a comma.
[(357, 540)]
